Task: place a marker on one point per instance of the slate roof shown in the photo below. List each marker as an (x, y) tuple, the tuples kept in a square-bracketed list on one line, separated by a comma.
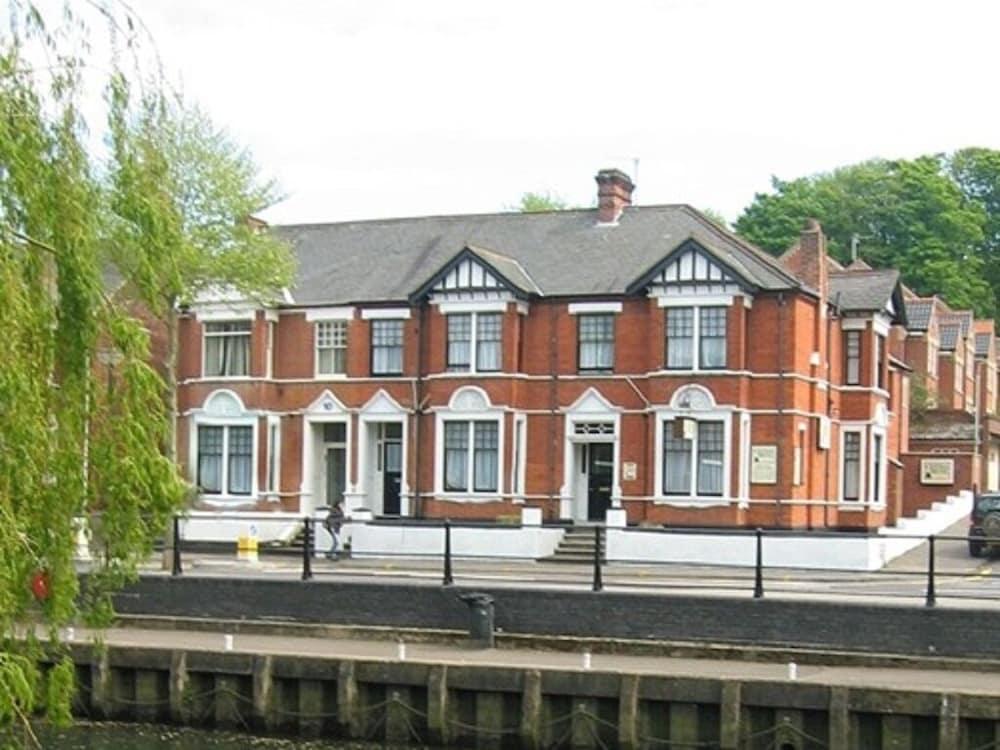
[(556, 253), (918, 313), (963, 318), (948, 333), (983, 344), (867, 291)]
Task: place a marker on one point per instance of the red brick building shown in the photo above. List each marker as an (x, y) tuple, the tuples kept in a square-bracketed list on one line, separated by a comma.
[(623, 357), (955, 437)]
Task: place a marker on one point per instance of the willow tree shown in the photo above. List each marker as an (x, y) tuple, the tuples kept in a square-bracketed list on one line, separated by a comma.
[(165, 204), (71, 445)]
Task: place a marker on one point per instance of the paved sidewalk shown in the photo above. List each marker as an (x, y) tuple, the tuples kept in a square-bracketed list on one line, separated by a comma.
[(907, 679)]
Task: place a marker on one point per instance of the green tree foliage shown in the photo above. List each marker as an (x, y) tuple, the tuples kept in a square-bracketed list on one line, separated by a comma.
[(911, 215), (83, 420), (977, 173), (531, 203), (182, 197)]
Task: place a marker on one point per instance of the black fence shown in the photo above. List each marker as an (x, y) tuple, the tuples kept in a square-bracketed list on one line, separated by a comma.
[(934, 583)]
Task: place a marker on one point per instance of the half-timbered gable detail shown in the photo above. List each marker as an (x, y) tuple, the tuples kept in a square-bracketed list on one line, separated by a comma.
[(476, 274), (691, 270)]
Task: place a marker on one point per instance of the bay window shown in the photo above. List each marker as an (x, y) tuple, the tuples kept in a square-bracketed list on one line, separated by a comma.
[(227, 349), (225, 459), (693, 457), (471, 456), (852, 466)]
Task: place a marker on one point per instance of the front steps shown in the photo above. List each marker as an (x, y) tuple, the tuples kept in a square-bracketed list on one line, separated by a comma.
[(576, 547)]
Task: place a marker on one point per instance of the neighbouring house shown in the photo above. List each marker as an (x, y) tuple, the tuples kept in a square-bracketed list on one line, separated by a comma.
[(955, 432), (637, 359)]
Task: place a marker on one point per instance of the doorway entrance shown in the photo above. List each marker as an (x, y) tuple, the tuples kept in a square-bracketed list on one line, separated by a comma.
[(600, 475), (595, 465), (383, 467), (333, 467), (390, 454)]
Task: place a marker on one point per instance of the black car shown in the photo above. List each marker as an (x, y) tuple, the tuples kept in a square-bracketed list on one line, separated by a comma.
[(985, 524)]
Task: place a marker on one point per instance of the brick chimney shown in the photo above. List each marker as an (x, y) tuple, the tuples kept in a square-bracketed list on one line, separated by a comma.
[(614, 193), (807, 260)]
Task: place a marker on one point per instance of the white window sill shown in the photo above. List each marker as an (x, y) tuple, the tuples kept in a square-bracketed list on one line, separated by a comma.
[(689, 501), (230, 378), (330, 376), (470, 497)]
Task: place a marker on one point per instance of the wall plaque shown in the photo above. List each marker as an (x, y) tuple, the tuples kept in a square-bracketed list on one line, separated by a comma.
[(764, 464), (937, 471)]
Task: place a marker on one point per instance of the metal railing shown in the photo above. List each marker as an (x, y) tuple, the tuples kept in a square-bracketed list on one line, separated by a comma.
[(931, 575)]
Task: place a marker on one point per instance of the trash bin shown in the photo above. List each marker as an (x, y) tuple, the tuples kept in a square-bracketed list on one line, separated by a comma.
[(480, 618)]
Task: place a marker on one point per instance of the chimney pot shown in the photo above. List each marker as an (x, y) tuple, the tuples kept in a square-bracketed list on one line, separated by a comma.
[(614, 193)]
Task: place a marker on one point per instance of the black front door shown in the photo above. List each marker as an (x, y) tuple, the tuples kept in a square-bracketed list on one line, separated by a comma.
[(392, 469), (600, 473)]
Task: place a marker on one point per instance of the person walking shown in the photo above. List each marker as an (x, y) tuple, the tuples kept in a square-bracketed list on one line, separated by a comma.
[(332, 523)]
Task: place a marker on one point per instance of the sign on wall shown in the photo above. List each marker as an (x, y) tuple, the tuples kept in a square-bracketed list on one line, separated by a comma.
[(764, 464), (937, 470), (630, 471)]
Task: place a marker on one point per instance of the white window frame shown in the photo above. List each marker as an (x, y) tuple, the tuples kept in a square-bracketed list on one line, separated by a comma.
[(519, 461), (883, 473), (484, 412), (711, 413), (848, 334), (241, 417), (206, 335), (402, 347), (473, 367), (860, 431), (880, 355), (317, 326), (696, 308), (273, 456), (579, 342)]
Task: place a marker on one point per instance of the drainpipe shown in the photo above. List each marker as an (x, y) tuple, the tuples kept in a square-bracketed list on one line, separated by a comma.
[(645, 438), (781, 404), (553, 403), (977, 477), (416, 393), (829, 411)]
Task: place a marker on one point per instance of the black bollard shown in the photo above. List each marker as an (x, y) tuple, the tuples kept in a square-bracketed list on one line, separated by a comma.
[(758, 581), (447, 580), (178, 568), (598, 584), (307, 543)]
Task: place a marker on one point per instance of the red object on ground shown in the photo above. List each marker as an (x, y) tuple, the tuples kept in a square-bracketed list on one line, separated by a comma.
[(40, 585)]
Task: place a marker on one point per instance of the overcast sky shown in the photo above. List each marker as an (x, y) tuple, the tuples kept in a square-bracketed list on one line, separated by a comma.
[(377, 108)]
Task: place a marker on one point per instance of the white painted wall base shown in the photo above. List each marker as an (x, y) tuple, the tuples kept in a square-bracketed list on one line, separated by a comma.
[(205, 526), (378, 540), (801, 551)]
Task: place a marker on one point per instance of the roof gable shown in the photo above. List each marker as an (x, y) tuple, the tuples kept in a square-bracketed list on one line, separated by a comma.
[(693, 268), (472, 271)]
